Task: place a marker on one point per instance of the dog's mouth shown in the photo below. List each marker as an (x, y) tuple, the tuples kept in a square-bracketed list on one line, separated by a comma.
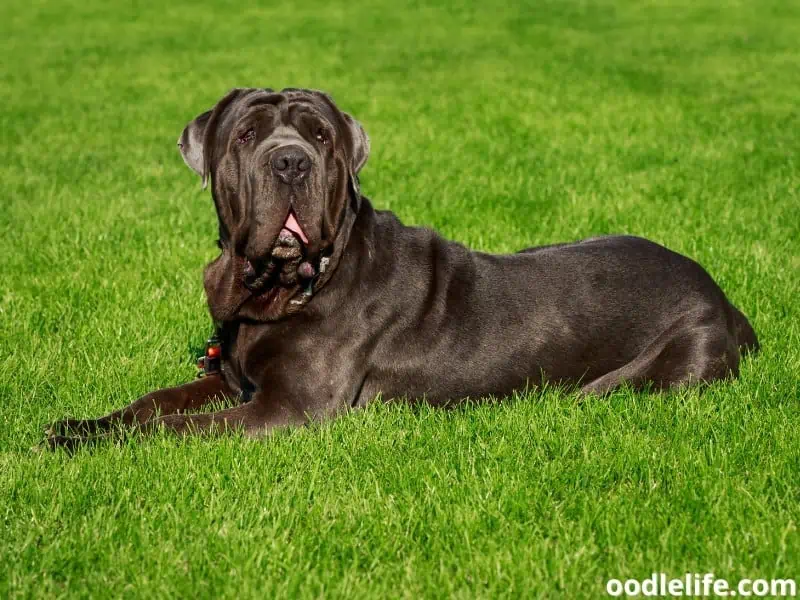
[(286, 266), (293, 227)]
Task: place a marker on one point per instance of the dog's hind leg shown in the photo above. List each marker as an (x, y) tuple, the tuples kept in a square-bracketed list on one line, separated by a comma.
[(168, 401), (697, 348)]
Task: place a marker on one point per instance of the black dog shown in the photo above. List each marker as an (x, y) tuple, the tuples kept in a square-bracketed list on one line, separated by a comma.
[(322, 303)]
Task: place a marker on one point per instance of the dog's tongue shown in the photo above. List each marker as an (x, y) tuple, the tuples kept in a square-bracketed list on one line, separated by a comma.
[(293, 226)]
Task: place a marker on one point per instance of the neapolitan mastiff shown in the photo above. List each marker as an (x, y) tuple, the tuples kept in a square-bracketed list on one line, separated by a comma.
[(322, 303)]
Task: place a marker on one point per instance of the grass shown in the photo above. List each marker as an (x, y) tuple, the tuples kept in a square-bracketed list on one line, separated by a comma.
[(501, 125)]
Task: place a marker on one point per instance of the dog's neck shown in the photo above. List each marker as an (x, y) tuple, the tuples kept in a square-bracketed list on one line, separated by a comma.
[(340, 242), (354, 251), (347, 259)]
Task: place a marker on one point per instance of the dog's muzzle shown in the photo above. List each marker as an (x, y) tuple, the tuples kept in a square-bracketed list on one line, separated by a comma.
[(285, 262)]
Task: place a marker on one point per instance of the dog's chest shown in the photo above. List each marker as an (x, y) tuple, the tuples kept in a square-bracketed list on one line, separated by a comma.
[(255, 352), (239, 343)]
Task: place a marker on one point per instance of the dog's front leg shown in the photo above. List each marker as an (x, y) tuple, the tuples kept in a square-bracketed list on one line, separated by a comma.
[(168, 401), (255, 418)]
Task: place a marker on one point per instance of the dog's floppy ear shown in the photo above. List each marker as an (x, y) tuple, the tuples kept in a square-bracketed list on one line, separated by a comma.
[(197, 140), (191, 143), (360, 149), (359, 152)]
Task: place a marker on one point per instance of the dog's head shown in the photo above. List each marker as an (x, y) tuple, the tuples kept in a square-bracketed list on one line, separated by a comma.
[(283, 168)]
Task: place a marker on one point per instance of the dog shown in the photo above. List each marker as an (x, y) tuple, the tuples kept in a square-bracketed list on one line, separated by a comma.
[(322, 304)]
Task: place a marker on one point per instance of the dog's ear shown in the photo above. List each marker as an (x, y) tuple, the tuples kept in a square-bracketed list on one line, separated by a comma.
[(190, 143), (197, 140), (359, 153)]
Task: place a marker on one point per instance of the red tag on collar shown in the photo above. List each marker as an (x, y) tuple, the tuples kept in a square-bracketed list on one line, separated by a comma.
[(211, 362)]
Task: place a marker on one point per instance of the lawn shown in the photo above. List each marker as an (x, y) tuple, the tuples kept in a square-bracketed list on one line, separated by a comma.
[(503, 126)]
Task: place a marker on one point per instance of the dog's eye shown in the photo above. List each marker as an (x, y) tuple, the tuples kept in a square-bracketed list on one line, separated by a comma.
[(246, 137), (321, 137)]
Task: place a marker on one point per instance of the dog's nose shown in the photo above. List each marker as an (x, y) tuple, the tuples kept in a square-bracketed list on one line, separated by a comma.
[(290, 163)]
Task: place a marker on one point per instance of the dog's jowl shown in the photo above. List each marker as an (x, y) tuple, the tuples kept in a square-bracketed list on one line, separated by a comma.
[(322, 303)]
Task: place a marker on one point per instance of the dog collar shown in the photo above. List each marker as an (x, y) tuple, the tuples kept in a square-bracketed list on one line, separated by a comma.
[(211, 361), (309, 289)]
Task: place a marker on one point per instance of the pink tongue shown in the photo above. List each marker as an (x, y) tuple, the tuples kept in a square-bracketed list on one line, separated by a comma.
[(293, 226)]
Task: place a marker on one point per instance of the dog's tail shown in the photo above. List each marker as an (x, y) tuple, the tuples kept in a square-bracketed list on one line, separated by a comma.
[(745, 336)]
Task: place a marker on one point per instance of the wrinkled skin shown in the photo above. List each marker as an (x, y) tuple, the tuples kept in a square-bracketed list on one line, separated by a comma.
[(241, 138), (323, 304)]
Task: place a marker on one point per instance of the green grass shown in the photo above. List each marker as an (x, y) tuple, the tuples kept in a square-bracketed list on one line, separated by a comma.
[(502, 126)]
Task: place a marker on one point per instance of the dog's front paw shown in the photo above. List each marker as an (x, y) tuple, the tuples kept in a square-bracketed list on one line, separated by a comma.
[(72, 427), (69, 443)]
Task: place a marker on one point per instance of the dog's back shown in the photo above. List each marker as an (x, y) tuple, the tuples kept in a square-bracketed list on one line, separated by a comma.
[(576, 312)]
